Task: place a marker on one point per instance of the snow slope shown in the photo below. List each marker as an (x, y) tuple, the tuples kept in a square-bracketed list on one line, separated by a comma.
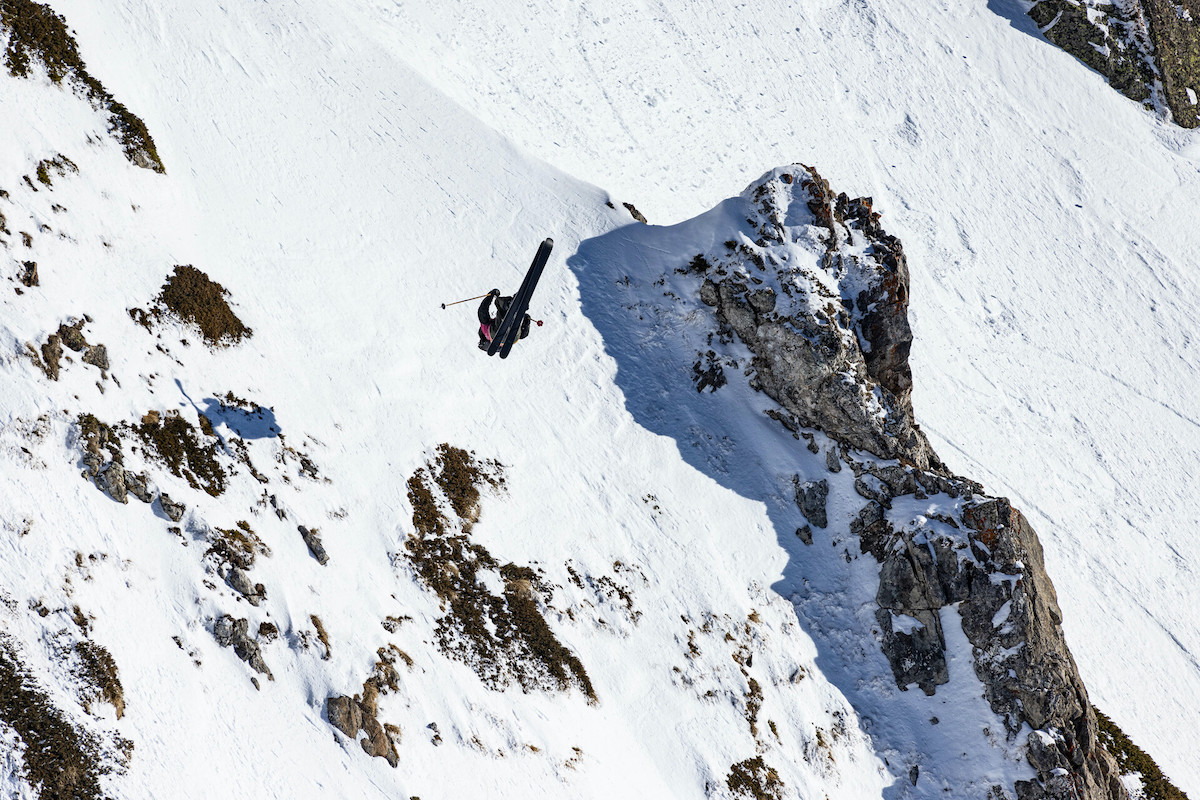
[(1050, 226), (317, 173)]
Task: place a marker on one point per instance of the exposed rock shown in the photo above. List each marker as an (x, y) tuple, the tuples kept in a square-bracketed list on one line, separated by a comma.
[(240, 581), (633, 212), (137, 486), (810, 496), (173, 510), (344, 714), (97, 356), (350, 717), (804, 534), (313, 540), (228, 631), (831, 460), (72, 336), (29, 271), (839, 364), (51, 355), (112, 481), (992, 567)]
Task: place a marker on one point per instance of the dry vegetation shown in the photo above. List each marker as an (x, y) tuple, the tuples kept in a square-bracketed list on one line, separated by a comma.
[(505, 639), (190, 296), (174, 441), (36, 33), (60, 758)]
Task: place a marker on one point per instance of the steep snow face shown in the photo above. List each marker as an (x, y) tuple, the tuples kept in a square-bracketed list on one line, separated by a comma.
[(1049, 226), (339, 200)]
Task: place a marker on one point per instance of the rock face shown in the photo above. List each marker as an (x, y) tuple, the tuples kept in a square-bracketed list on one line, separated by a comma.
[(313, 541), (173, 510), (350, 716), (235, 632), (831, 346), (1148, 49)]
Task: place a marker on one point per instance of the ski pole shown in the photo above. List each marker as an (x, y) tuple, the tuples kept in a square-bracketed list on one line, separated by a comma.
[(469, 299)]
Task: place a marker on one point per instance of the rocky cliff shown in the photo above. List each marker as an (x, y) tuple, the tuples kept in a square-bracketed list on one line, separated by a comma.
[(831, 346), (1149, 50)]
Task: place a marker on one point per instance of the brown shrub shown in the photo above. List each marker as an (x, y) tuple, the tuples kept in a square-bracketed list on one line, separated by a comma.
[(193, 298)]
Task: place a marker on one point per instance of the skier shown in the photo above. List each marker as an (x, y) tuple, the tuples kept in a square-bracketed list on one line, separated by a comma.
[(489, 325)]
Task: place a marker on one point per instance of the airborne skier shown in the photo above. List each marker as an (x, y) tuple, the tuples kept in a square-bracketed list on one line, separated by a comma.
[(489, 325)]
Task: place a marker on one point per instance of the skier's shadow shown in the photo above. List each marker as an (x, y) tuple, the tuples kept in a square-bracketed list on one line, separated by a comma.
[(254, 423), (723, 434)]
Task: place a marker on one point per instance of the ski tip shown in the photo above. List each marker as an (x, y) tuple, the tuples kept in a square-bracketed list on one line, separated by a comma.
[(549, 242)]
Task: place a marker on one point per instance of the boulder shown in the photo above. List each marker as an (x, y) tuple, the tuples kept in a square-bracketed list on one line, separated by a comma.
[(313, 540), (112, 482), (97, 356), (173, 510), (810, 496), (240, 582), (137, 486)]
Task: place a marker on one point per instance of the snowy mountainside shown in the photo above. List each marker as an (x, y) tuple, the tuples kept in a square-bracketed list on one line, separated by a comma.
[(340, 199), (1048, 222)]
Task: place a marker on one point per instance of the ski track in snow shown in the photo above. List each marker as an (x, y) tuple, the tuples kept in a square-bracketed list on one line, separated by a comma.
[(315, 171)]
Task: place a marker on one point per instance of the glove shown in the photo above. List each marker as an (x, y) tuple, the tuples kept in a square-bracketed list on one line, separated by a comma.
[(494, 293)]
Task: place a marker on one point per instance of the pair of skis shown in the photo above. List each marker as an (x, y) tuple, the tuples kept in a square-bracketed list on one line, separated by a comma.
[(510, 327)]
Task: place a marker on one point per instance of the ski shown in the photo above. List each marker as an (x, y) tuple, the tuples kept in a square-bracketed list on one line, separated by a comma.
[(510, 327)]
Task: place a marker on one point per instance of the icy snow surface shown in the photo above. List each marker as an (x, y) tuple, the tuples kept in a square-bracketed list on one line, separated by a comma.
[(343, 171)]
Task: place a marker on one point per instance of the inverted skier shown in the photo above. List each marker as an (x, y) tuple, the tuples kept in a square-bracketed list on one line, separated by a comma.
[(489, 325)]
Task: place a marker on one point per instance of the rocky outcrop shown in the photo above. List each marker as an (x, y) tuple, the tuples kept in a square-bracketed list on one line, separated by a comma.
[(830, 343), (350, 716), (239, 580), (988, 562), (173, 510), (1149, 50), (236, 633), (312, 540)]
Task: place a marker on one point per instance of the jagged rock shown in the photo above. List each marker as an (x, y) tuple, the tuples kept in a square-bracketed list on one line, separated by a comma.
[(173, 510), (228, 631), (831, 460), (762, 301), (223, 631), (349, 717), (804, 534), (917, 655), (377, 742), (241, 583), (838, 366), (29, 271), (873, 531), (112, 481), (810, 496), (313, 540), (344, 714), (137, 486), (93, 462), (871, 488), (97, 356)]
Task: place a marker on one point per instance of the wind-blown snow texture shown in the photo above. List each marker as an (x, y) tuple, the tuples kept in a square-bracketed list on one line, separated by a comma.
[(317, 173)]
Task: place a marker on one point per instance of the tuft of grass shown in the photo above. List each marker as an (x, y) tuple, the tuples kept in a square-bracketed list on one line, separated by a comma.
[(99, 670), (36, 33), (173, 441), (59, 165), (753, 778), (191, 296), (322, 635), (1133, 759)]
